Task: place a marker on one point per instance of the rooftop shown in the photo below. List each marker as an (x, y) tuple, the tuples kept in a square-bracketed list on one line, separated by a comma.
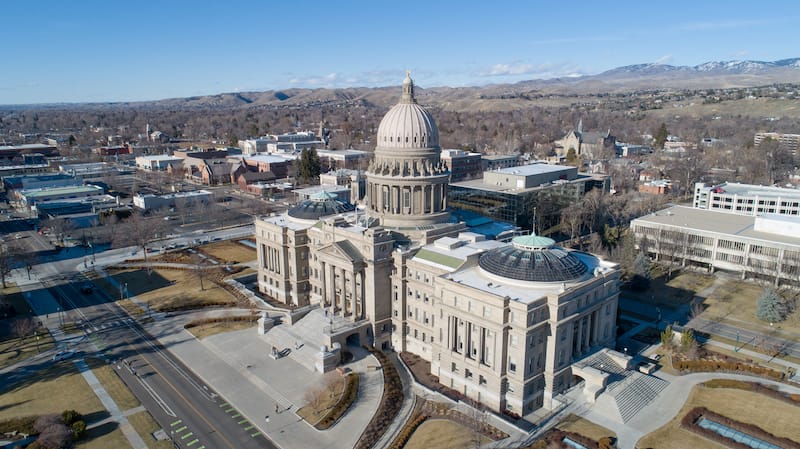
[(715, 222), (35, 193), (266, 159), (733, 188), (526, 291), (533, 169), (160, 157)]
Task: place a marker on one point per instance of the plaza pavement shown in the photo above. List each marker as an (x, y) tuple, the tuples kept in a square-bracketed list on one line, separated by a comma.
[(238, 367)]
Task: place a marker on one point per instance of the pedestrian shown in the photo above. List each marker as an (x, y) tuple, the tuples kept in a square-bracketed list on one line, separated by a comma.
[(276, 408)]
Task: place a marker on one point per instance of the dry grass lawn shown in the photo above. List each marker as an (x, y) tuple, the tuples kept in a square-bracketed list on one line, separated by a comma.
[(104, 437), (735, 303), (165, 289), (206, 330), (145, 425), (55, 389), (331, 390), (442, 434), (117, 389), (229, 251), (574, 423), (672, 293), (15, 350), (771, 415)]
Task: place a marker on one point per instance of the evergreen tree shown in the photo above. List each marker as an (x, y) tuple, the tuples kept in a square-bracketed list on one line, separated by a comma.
[(307, 166), (572, 157), (661, 136), (771, 307), (641, 277)]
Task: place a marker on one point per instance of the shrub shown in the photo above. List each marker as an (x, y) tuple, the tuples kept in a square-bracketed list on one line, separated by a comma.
[(349, 396), (78, 429), (391, 402), (70, 416), (407, 431), (22, 424)]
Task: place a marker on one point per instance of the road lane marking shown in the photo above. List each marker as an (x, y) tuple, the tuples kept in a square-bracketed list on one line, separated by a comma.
[(194, 441), (181, 429), (176, 423), (236, 416), (228, 410), (187, 435), (249, 427), (224, 404), (242, 421), (255, 434)]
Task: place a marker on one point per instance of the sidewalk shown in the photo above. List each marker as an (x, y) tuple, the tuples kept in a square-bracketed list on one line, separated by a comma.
[(237, 366), (665, 408), (116, 414)]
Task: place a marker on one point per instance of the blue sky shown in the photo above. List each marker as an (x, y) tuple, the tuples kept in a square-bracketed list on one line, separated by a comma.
[(116, 50)]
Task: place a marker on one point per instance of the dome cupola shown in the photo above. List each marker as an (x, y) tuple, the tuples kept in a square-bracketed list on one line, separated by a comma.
[(407, 124), (533, 258)]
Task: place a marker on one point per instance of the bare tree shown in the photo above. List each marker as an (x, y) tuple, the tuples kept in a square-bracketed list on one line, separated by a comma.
[(53, 433), (139, 231), (315, 397), (23, 327), (8, 256)]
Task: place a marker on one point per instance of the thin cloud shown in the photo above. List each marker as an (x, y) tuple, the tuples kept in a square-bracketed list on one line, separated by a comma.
[(663, 60), (722, 24), (518, 68), (575, 40), (335, 79)]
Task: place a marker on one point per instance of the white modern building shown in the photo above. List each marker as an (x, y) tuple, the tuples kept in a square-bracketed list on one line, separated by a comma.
[(157, 162), (747, 199), (175, 199), (765, 246)]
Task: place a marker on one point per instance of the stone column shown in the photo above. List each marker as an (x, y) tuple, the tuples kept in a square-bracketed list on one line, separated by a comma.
[(353, 296), (324, 283)]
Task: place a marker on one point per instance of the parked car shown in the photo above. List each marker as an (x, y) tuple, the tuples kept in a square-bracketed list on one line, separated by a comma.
[(63, 355)]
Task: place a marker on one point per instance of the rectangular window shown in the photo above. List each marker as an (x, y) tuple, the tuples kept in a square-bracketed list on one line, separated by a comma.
[(512, 365), (406, 198)]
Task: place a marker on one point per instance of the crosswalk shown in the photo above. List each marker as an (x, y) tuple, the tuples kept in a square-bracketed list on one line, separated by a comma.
[(182, 433), (246, 425), (108, 325)]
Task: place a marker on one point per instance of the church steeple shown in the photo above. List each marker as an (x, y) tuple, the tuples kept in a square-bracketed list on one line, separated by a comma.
[(408, 89)]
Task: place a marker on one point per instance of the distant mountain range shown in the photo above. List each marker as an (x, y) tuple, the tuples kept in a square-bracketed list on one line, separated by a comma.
[(709, 75)]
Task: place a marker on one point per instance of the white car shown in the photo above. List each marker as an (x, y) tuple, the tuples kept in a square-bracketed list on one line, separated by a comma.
[(63, 355)]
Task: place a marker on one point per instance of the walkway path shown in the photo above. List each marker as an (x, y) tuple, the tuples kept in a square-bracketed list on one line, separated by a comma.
[(664, 409), (116, 414), (238, 367)]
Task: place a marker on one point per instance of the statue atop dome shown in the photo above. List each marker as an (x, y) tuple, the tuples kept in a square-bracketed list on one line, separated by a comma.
[(408, 89)]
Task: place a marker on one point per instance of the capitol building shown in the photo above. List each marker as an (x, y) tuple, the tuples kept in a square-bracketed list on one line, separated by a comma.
[(503, 323)]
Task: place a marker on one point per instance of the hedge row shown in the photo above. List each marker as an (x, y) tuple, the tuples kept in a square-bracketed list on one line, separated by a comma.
[(338, 410), (244, 318), (719, 365), (391, 402), (690, 422), (21, 424), (766, 390), (408, 430)]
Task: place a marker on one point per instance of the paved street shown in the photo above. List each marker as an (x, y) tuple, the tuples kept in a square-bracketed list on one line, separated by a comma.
[(188, 409)]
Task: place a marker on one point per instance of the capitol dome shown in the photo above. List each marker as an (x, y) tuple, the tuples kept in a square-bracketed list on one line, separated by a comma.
[(535, 259), (321, 204), (407, 124)]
